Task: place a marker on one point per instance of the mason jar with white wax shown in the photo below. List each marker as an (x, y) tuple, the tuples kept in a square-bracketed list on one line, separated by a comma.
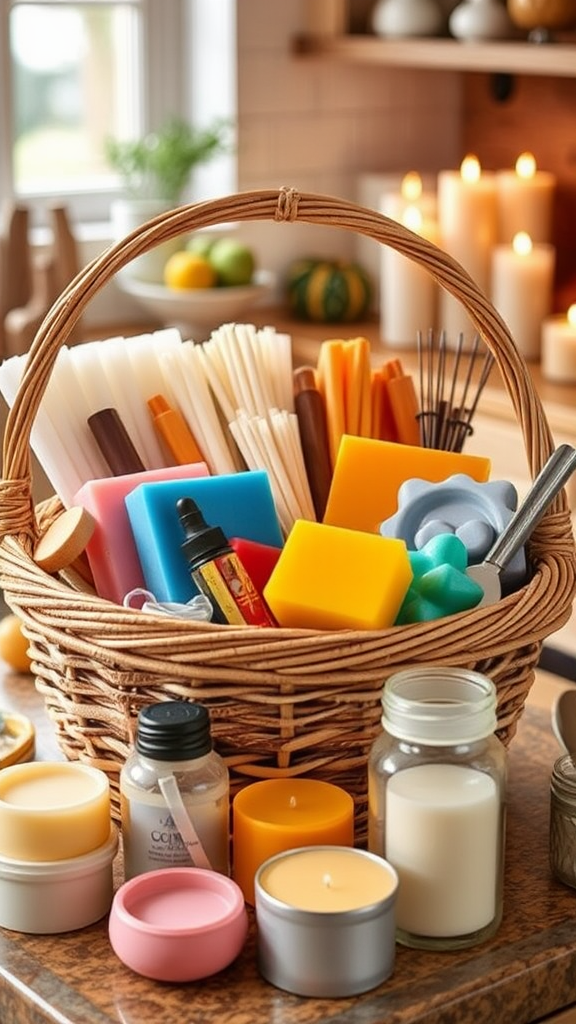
[(436, 792)]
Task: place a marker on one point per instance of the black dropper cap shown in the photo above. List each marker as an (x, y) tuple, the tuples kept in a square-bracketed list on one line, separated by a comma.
[(173, 730), (203, 542)]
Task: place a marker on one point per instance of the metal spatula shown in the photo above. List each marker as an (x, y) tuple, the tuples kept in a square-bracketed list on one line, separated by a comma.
[(550, 480)]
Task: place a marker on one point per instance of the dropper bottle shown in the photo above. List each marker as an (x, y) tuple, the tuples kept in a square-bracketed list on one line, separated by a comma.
[(174, 792), (218, 572)]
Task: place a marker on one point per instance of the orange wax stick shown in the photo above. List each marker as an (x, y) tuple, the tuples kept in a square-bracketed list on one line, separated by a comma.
[(331, 376), (357, 387), (384, 427), (351, 391), (404, 404), (174, 431), (376, 392)]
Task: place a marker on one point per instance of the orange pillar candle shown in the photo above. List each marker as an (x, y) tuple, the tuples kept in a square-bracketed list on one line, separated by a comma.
[(275, 815)]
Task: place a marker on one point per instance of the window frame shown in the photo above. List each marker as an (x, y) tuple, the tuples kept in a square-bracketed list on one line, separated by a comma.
[(168, 86)]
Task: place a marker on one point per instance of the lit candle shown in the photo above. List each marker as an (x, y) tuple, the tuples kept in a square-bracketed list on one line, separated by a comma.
[(390, 194), (559, 347), (408, 291), (325, 918), (281, 814), (522, 280), (51, 811), (411, 193), (467, 216), (525, 200)]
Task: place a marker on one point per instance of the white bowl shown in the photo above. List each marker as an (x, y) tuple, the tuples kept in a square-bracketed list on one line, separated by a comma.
[(198, 311)]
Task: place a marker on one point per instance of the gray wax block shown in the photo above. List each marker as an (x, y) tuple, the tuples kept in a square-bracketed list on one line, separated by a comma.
[(476, 512)]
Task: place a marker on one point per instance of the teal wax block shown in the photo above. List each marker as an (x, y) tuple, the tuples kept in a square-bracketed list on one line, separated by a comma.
[(240, 503), (440, 585)]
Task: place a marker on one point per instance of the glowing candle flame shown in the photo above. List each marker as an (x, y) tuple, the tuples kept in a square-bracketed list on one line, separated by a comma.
[(571, 314), (327, 880), (411, 187), (470, 169), (525, 166), (522, 243), (412, 218), (292, 802)]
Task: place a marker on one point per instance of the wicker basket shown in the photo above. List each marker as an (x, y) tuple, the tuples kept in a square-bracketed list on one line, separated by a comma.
[(283, 702)]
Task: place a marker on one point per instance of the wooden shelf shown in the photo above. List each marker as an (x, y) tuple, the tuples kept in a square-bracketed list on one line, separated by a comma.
[(554, 59)]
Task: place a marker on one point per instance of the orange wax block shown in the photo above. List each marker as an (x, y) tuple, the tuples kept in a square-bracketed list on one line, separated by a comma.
[(331, 578), (368, 474)]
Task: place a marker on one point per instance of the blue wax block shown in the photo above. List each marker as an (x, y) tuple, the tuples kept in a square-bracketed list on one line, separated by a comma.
[(240, 503)]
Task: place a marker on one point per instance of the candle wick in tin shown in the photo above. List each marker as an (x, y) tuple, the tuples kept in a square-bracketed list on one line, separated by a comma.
[(327, 880), (292, 801)]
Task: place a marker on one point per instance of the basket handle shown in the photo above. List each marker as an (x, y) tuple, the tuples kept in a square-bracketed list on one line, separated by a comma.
[(285, 204)]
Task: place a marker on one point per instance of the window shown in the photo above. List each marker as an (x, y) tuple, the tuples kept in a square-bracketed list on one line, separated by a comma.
[(73, 72)]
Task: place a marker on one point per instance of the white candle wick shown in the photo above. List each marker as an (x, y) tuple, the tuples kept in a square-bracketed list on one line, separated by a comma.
[(292, 802), (327, 880), (526, 166)]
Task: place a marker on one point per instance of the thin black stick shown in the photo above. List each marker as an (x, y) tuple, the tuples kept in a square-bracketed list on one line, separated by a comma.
[(466, 429), (422, 418)]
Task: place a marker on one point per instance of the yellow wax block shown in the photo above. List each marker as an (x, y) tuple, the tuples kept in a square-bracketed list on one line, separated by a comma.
[(368, 474), (331, 578), (51, 811)]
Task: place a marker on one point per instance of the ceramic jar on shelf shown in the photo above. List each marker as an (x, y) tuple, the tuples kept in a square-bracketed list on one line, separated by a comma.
[(480, 19), (403, 18)]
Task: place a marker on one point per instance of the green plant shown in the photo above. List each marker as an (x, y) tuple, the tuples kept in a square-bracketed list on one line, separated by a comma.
[(159, 165)]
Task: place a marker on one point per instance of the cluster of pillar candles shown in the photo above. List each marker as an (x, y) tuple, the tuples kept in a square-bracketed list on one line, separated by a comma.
[(499, 227)]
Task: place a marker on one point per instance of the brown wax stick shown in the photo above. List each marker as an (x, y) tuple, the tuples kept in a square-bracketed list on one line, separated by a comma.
[(115, 443), (311, 416)]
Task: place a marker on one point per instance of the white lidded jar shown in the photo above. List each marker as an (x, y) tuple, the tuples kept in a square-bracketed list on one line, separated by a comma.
[(174, 793), (436, 793)]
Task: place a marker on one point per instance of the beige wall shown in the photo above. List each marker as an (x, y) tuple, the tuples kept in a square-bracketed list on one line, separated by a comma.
[(317, 126)]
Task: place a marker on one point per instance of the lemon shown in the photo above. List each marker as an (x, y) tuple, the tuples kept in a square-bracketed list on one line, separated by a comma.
[(13, 644), (185, 270)]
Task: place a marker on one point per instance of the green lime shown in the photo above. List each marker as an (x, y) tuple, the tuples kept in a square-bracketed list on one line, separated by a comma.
[(233, 261)]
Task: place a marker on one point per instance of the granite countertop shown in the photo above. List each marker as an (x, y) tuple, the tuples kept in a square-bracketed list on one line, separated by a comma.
[(525, 973)]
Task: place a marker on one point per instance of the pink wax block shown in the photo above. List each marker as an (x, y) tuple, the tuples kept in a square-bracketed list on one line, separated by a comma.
[(111, 551), (257, 559)]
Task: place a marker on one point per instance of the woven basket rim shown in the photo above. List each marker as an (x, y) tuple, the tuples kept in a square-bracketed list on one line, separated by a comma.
[(18, 516), (284, 205)]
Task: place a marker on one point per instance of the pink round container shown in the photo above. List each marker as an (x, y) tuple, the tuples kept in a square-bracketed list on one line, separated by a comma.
[(178, 924)]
